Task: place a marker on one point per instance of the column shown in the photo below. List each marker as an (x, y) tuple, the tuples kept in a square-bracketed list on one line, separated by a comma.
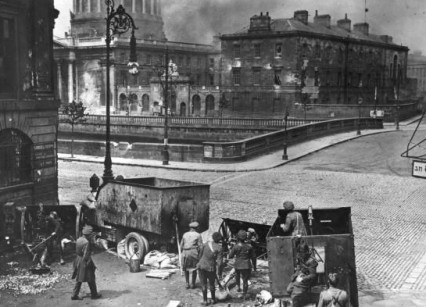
[(133, 6), (143, 6), (80, 9), (113, 87), (70, 82), (74, 7), (152, 7), (99, 6), (89, 6), (159, 7), (59, 75)]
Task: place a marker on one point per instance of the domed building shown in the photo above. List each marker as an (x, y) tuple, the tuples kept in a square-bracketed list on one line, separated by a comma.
[(81, 64)]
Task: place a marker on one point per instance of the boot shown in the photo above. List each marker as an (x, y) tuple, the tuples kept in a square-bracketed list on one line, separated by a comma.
[(213, 293), (204, 303), (187, 279), (194, 278)]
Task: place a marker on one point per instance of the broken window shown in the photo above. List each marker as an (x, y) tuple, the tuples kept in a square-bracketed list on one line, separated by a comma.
[(237, 51), (278, 50), (8, 57), (16, 156), (257, 50), (236, 74)]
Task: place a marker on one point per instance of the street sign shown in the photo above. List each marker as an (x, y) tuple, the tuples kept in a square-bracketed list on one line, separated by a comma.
[(419, 169)]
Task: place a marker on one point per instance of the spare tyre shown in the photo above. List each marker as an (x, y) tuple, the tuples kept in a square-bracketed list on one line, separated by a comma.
[(135, 244)]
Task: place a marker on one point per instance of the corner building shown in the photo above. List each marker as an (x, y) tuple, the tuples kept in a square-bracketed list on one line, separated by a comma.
[(28, 108), (273, 65)]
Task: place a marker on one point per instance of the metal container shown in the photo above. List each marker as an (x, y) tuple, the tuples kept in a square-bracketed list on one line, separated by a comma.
[(331, 241)]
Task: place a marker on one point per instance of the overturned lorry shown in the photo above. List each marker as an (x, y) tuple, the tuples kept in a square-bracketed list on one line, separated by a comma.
[(148, 213), (331, 243)]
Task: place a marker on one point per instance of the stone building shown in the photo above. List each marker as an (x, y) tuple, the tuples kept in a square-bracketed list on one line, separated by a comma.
[(28, 121), (81, 69), (277, 64), (416, 69)]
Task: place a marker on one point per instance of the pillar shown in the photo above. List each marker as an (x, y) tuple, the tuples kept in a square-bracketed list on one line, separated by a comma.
[(70, 82), (59, 75), (159, 7), (99, 6), (152, 7), (80, 9), (89, 6), (143, 6), (133, 6)]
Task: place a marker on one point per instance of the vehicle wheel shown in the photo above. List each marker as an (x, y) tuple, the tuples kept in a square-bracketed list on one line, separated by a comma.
[(134, 244)]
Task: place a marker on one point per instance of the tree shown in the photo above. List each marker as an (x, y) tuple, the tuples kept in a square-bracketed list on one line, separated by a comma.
[(76, 115)]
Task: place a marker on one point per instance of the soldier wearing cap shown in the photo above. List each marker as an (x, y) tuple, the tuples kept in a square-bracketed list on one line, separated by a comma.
[(190, 248), (293, 224), (243, 253), (84, 268)]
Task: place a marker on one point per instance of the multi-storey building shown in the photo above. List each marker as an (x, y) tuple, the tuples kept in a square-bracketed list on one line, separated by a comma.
[(81, 69), (28, 121), (273, 64), (417, 69)]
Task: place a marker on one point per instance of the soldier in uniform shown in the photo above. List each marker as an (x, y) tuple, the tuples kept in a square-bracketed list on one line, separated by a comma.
[(54, 227), (190, 248), (303, 277), (84, 268), (253, 239), (293, 224)]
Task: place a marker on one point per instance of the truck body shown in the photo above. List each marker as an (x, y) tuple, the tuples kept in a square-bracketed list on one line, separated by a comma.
[(331, 242)]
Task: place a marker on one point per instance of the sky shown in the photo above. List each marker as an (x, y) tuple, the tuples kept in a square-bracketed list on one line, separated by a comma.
[(197, 21)]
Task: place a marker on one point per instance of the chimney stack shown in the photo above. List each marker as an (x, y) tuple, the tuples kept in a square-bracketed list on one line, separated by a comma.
[(361, 28), (301, 16), (323, 20), (386, 38), (344, 23), (260, 23)]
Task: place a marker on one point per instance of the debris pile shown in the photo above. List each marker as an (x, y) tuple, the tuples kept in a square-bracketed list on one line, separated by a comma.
[(21, 281)]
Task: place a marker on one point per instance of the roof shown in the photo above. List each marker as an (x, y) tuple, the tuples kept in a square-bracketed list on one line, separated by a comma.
[(294, 26)]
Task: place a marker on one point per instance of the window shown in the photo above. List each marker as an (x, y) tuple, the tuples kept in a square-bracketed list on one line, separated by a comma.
[(188, 61), (316, 77), (211, 61), (278, 50), (16, 156), (236, 75), (123, 77), (256, 76), (349, 79), (339, 78), (235, 103), (237, 51), (317, 51), (8, 57), (257, 50), (198, 79), (327, 78), (277, 77), (211, 78), (198, 61), (149, 59), (368, 82)]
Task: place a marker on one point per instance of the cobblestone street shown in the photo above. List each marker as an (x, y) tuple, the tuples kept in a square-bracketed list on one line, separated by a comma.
[(368, 174)]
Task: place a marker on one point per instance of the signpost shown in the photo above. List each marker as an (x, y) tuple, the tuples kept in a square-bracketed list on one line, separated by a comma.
[(419, 169)]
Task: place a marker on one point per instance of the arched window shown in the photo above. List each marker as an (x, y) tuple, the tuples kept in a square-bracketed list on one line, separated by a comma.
[(145, 103), (173, 102), (123, 102), (209, 105), (196, 105), (182, 109), (133, 101), (16, 156)]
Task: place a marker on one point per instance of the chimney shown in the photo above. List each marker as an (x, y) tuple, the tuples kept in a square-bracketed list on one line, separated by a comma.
[(361, 28), (344, 24), (301, 16), (323, 20), (260, 23), (386, 38)]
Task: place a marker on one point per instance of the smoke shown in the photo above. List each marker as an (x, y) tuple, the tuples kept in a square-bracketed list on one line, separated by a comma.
[(198, 20)]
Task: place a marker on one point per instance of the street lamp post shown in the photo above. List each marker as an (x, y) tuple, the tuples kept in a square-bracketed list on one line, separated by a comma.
[(117, 22), (285, 156), (359, 116)]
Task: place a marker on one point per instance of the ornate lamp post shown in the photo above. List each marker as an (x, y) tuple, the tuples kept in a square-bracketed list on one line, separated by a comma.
[(358, 132), (117, 22), (170, 70), (285, 156)]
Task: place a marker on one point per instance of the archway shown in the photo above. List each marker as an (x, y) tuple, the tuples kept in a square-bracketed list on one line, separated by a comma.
[(145, 103), (173, 109), (156, 108), (123, 102), (196, 105), (16, 156), (209, 105), (182, 111), (133, 101)]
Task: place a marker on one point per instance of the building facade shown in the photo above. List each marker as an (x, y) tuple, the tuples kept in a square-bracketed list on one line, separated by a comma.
[(81, 65), (28, 121), (273, 65), (416, 69)]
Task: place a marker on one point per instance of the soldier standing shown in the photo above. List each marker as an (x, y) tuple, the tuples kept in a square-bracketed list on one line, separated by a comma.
[(190, 247)]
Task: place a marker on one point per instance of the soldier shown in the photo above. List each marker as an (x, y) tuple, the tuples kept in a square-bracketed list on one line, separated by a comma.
[(253, 239), (303, 277), (84, 268), (243, 253), (190, 247), (293, 225), (210, 254), (333, 296), (54, 227)]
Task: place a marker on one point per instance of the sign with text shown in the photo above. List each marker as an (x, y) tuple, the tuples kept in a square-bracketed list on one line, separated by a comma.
[(419, 169)]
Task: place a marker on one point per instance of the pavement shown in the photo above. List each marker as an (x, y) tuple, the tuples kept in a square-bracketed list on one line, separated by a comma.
[(367, 298)]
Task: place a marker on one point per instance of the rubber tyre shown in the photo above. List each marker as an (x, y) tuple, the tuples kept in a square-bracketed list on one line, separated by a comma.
[(135, 243)]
